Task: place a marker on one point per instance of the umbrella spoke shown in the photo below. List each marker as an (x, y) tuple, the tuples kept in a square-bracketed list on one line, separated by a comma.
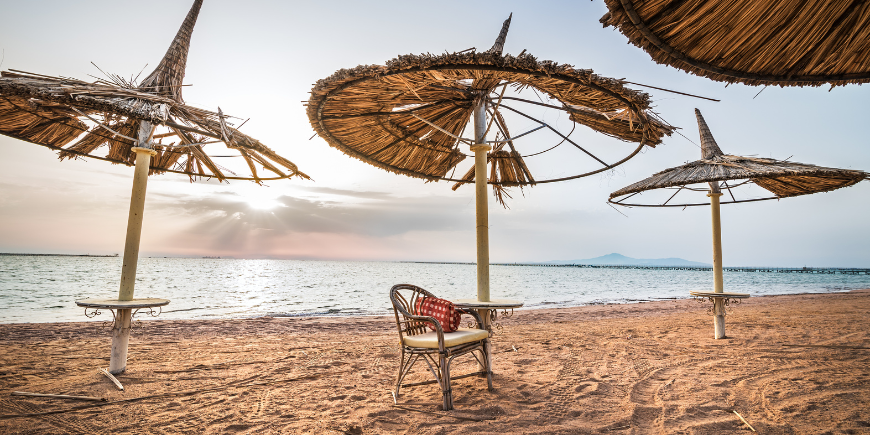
[(450, 88), (502, 126), (564, 109), (509, 140), (623, 199), (498, 103), (560, 134), (390, 113), (103, 125), (672, 196), (416, 128), (573, 126), (729, 190), (433, 125), (452, 119), (408, 133)]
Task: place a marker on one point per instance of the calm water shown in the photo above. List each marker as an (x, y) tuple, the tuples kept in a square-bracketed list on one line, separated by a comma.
[(43, 289)]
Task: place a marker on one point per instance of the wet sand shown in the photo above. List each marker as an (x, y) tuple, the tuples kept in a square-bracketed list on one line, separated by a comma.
[(792, 364)]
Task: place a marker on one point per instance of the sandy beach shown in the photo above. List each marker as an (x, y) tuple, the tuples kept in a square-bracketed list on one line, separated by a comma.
[(792, 364)]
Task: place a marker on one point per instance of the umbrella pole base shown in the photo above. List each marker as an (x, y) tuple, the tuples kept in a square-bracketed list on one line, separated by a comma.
[(718, 318), (120, 340)]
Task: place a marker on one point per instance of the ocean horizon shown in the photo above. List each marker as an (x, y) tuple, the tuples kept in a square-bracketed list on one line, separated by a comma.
[(45, 288), (649, 263)]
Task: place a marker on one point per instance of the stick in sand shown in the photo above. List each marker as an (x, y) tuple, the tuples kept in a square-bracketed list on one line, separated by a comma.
[(113, 378), (744, 421), (59, 396)]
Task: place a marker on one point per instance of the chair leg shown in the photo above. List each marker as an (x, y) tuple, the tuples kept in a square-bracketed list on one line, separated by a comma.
[(399, 375), (488, 360), (447, 392)]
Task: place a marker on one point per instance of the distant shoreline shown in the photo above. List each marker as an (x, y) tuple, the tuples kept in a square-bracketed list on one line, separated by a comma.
[(12, 254), (825, 270), (812, 270)]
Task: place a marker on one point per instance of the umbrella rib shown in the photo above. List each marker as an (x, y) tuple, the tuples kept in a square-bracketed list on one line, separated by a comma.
[(694, 204), (456, 145), (538, 103), (470, 142), (672, 196), (449, 88), (192, 130), (729, 190), (508, 140), (623, 199), (560, 134), (554, 146), (500, 123), (498, 103), (103, 125), (410, 132), (496, 115), (188, 145), (396, 112)]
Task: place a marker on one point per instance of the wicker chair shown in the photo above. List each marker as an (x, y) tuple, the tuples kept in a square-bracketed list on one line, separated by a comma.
[(438, 348)]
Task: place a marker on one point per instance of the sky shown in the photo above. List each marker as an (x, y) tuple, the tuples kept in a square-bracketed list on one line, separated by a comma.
[(259, 60)]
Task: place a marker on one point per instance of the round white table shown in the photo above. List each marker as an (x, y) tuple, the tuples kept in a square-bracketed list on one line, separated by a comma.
[(726, 295), (720, 301), (115, 304), (122, 315)]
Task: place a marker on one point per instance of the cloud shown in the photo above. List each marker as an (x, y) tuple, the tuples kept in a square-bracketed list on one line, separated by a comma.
[(348, 193), (230, 217)]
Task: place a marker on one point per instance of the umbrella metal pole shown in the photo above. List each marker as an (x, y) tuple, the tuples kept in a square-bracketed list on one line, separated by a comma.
[(481, 208), (124, 317), (718, 284), (480, 149)]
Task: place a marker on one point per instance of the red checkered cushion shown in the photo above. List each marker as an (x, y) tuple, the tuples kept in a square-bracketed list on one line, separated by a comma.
[(442, 310)]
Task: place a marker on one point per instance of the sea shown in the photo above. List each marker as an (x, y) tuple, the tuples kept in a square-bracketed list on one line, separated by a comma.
[(45, 288)]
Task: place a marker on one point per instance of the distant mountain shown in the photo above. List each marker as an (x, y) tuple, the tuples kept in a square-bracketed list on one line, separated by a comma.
[(622, 260)]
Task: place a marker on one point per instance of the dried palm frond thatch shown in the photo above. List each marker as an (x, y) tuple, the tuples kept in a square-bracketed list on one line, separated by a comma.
[(782, 178), (77, 118), (755, 42)]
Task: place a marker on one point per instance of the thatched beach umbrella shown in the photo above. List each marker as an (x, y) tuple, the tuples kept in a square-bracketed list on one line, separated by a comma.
[(409, 116), (716, 169), (133, 120), (755, 42)]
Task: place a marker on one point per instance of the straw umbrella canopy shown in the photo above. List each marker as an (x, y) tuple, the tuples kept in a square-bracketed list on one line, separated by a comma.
[(782, 179), (713, 173), (409, 117), (56, 111), (754, 42), (133, 120)]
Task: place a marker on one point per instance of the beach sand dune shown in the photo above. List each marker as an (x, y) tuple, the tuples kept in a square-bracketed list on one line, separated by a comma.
[(793, 364)]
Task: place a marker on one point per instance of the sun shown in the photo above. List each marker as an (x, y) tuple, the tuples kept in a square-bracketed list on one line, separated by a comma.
[(260, 200), (263, 204)]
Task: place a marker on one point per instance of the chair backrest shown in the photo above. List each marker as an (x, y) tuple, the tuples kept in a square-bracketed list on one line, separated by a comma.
[(404, 298)]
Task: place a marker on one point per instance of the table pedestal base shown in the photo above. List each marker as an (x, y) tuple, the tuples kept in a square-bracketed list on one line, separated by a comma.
[(122, 323), (120, 341)]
